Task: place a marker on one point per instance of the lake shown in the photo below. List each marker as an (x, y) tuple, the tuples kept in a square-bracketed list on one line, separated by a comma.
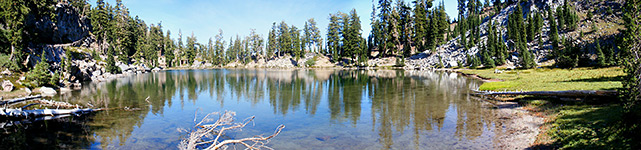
[(321, 109)]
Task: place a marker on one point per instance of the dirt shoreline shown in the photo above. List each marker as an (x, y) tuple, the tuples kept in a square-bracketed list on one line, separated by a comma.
[(519, 127)]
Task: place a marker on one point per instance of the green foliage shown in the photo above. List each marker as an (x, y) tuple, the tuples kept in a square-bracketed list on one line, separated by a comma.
[(111, 63), (39, 75), (601, 60), (497, 6), (400, 62), (94, 54), (517, 33), (272, 43), (311, 62), (473, 61), (344, 37), (631, 50), (554, 32), (590, 127), (486, 57), (568, 57), (190, 51)]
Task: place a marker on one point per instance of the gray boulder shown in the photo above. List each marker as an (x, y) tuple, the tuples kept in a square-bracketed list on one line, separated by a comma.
[(47, 91)]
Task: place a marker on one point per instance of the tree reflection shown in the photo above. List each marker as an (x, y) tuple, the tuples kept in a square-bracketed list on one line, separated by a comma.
[(401, 101)]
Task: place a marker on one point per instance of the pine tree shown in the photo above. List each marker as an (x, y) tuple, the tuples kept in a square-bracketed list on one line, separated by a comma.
[(497, 6), (554, 32), (272, 42), (312, 36), (486, 57), (333, 37), (516, 30), (296, 46), (355, 40), (169, 46), (531, 28), (560, 14), (284, 39), (601, 59), (630, 50), (111, 63), (420, 23), (385, 27), (190, 52), (219, 48)]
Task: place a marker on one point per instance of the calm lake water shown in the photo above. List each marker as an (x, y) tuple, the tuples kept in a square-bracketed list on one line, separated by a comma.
[(321, 109)]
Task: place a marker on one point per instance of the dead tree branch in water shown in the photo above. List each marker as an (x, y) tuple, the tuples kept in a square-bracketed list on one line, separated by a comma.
[(210, 136)]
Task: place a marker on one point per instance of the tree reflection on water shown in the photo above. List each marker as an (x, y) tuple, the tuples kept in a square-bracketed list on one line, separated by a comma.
[(392, 102)]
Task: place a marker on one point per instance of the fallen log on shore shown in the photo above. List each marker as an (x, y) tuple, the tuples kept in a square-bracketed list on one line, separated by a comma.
[(571, 93)]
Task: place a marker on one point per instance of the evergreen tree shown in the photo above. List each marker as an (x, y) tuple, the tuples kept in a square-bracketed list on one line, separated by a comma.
[(40, 74), (516, 30), (296, 47), (333, 37), (630, 50), (111, 63), (180, 48), (385, 26), (497, 6), (554, 33), (312, 37), (190, 52), (569, 56), (272, 42), (601, 58), (353, 44), (531, 28), (169, 46), (219, 48), (284, 39), (486, 57), (13, 15), (420, 23), (560, 14)]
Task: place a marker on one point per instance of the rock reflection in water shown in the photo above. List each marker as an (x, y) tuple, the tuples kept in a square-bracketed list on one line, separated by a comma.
[(323, 109)]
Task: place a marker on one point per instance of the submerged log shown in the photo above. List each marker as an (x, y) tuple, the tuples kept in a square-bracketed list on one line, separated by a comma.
[(571, 93), (19, 113), (16, 100)]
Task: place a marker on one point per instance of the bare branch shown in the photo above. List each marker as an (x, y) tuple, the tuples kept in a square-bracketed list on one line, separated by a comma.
[(210, 135)]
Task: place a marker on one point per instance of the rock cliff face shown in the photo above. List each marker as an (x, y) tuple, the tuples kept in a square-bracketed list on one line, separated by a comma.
[(69, 26)]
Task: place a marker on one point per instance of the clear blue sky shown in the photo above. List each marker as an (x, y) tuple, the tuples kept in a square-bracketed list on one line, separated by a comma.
[(205, 17)]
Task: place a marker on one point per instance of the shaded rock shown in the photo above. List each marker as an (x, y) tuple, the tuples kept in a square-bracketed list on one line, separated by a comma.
[(97, 73), (65, 90), (7, 86), (27, 90), (123, 67), (69, 26), (76, 85), (6, 72)]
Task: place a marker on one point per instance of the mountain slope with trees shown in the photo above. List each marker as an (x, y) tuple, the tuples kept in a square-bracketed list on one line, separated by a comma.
[(561, 34)]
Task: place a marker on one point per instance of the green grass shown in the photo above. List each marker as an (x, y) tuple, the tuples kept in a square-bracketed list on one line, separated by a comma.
[(589, 127), (545, 79)]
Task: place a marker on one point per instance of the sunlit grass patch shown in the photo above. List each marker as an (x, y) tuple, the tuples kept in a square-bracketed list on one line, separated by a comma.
[(546, 79)]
